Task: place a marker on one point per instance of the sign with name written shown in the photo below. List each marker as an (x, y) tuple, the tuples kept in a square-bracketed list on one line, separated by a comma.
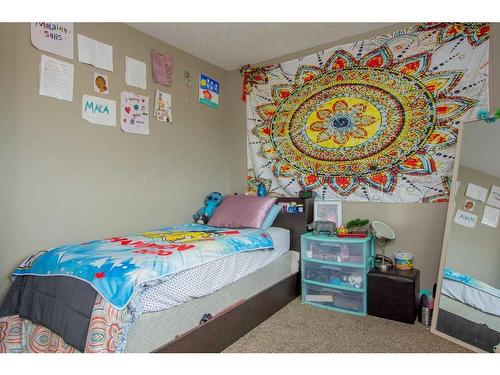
[(53, 37), (209, 91), (465, 218), (99, 111)]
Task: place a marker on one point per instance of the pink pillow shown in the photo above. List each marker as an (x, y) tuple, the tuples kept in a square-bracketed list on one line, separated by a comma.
[(241, 211)]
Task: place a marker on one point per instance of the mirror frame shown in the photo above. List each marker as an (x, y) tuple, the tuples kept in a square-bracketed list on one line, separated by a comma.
[(444, 250)]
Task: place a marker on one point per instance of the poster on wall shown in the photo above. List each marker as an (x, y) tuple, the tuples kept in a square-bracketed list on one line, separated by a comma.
[(135, 73), (53, 37), (134, 115), (369, 120), (494, 197), (163, 106), (162, 68), (465, 218), (95, 53), (98, 110), (56, 78), (101, 84), (208, 91)]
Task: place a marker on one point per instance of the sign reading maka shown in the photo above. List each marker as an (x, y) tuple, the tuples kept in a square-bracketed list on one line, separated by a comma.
[(98, 110)]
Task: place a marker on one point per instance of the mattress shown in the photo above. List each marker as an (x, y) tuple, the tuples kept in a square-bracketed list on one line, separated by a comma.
[(154, 329), (481, 299), (209, 277)]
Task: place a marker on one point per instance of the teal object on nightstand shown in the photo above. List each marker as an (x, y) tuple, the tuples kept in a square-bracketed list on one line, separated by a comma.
[(334, 271)]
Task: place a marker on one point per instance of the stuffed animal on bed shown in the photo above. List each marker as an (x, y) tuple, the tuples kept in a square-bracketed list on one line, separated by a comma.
[(211, 202)]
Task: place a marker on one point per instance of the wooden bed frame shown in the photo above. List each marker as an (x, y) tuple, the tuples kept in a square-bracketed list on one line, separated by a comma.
[(226, 328)]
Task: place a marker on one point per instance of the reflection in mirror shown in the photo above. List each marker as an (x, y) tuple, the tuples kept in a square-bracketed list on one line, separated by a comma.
[(469, 302)]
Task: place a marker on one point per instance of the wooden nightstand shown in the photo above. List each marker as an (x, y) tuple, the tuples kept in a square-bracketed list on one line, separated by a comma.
[(296, 220)]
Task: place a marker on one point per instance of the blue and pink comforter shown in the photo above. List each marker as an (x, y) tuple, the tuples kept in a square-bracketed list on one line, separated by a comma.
[(117, 266)]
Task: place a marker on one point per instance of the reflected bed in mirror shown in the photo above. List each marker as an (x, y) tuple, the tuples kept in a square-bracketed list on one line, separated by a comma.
[(469, 281)]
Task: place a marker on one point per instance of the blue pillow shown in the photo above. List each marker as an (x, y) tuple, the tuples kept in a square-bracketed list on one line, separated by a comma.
[(271, 216)]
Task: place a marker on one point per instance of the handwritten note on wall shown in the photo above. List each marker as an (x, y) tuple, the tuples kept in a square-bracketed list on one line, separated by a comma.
[(53, 37), (134, 115), (494, 197), (135, 73), (56, 78), (465, 218), (95, 53)]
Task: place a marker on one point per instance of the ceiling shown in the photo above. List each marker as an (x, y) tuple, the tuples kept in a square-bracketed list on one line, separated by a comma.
[(480, 149), (231, 45)]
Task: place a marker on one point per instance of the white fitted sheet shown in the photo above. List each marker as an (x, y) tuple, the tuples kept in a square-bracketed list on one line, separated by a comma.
[(210, 277), (471, 296)]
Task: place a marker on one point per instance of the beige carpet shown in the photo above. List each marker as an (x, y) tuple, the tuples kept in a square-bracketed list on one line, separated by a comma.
[(299, 328)]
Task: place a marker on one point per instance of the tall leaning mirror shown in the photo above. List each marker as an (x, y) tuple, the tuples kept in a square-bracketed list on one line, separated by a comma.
[(468, 289)]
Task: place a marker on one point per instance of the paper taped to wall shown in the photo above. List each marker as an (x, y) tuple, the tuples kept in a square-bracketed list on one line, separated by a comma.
[(53, 37), (134, 116), (162, 68), (101, 84), (494, 197), (163, 106), (98, 110), (56, 78), (465, 218), (95, 53), (476, 192), (490, 216), (135, 73)]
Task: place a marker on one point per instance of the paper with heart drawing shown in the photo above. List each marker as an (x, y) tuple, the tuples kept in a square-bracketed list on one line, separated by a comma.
[(134, 113)]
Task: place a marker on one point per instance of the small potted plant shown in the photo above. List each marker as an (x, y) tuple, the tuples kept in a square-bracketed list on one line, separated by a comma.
[(356, 228)]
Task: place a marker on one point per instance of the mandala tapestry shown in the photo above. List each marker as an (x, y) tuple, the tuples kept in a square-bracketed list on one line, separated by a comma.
[(375, 120)]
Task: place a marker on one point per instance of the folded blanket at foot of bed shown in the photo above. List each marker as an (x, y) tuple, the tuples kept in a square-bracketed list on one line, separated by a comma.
[(27, 326), (64, 304)]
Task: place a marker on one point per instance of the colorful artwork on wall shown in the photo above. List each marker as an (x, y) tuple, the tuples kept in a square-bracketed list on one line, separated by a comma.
[(101, 84), (163, 106), (209, 91), (134, 113), (374, 120)]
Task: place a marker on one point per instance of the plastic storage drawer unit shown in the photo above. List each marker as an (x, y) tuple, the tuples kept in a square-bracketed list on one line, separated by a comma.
[(334, 270)]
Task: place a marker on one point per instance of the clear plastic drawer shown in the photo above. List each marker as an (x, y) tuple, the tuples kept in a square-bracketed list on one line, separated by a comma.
[(334, 298), (335, 251), (335, 275)]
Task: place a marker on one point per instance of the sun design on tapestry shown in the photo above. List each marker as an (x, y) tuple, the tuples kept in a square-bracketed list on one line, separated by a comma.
[(365, 120)]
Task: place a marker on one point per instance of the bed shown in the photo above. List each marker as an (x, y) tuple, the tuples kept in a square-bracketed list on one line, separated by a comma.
[(469, 305), (239, 291)]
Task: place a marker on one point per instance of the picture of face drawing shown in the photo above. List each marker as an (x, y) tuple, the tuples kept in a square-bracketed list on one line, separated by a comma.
[(101, 84), (469, 205)]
